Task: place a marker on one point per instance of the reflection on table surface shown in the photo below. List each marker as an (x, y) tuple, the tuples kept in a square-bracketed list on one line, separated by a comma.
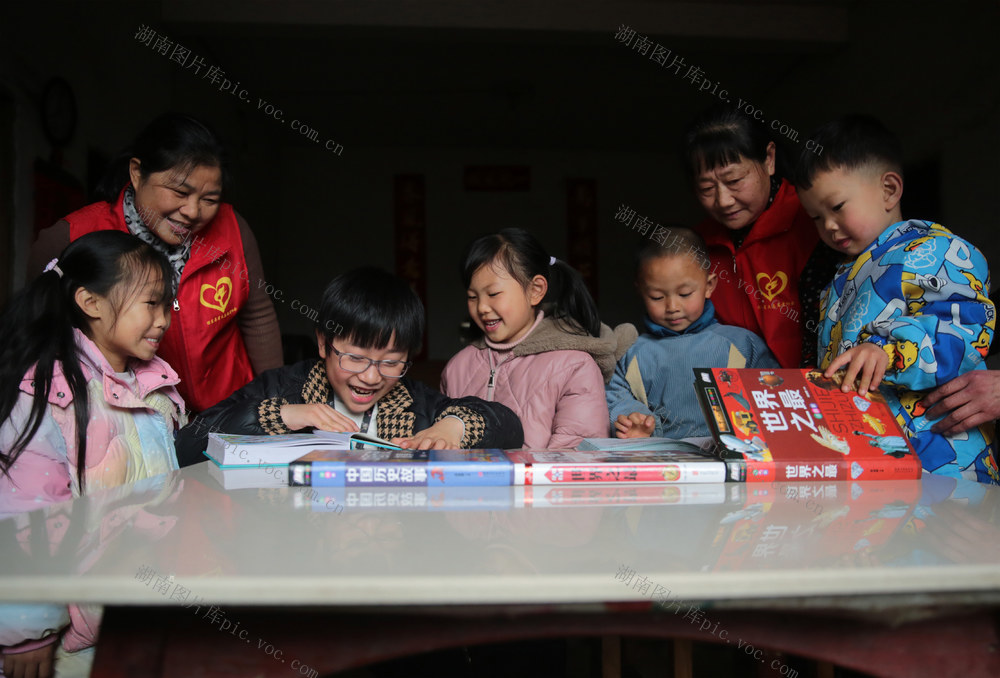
[(283, 545)]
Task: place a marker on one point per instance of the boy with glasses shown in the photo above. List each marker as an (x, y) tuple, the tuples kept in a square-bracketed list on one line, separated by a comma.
[(359, 383)]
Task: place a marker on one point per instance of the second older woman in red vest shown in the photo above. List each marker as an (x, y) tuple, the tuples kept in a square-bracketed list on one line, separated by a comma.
[(764, 248)]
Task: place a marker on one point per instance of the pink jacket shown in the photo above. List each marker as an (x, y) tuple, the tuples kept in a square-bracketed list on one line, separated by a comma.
[(129, 438), (553, 380)]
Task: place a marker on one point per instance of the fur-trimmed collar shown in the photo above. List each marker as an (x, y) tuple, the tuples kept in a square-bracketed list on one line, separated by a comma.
[(550, 336)]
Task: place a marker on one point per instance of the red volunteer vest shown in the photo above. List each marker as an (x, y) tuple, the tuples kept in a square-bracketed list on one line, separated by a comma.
[(758, 286), (203, 344)]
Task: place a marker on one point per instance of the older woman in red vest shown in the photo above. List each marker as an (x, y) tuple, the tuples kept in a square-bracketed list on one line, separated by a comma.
[(765, 250), (168, 191)]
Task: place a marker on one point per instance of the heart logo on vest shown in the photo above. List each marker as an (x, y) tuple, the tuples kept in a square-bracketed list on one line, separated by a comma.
[(774, 286), (219, 294)]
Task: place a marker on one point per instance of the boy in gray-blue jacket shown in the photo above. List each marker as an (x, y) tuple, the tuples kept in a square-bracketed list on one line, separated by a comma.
[(652, 392)]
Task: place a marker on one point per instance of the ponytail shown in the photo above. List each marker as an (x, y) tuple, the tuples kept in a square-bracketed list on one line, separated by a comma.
[(37, 328), (567, 301)]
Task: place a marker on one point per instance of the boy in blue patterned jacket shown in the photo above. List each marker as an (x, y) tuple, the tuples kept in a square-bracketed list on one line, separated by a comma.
[(651, 392), (910, 305)]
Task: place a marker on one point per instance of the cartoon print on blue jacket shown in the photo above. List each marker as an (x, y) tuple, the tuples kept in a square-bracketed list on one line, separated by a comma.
[(921, 294)]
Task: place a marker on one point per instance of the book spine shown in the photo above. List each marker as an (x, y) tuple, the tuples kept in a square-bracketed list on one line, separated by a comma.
[(736, 470), (383, 474), (300, 473), (886, 468), (523, 474), (364, 444), (399, 474), (472, 473), (715, 416), (679, 472)]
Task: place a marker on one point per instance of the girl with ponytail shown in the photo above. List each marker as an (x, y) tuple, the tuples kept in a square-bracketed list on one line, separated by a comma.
[(85, 404), (543, 351)]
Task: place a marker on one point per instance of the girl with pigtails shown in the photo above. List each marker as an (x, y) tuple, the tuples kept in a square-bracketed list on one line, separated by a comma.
[(543, 351)]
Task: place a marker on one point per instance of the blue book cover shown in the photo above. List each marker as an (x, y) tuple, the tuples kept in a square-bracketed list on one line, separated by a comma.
[(401, 468)]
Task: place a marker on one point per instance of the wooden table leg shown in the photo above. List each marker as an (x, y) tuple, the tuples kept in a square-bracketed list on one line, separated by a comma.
[(611, 657), (683, 658)]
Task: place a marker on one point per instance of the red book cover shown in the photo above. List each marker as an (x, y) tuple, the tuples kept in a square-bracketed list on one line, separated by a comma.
[(791, 425)]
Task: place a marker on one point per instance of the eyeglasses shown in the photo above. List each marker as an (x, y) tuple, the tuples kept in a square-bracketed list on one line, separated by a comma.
[(390, 369)]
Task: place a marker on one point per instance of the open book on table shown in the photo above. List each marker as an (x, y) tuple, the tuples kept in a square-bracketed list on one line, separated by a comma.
[(229, 449)]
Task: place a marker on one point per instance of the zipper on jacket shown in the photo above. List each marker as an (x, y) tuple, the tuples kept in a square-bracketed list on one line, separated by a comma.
[(494, 366), (177, 326)]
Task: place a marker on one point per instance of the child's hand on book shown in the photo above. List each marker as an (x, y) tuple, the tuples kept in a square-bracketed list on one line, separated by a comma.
[(866, 363), (316, 415), (446, 434), (635, 425)]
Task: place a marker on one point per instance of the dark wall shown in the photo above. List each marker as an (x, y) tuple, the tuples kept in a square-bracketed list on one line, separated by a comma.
[(542, 85)]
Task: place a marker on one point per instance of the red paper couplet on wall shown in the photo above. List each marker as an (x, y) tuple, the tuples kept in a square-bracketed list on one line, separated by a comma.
[(409, 208), (581, 230)]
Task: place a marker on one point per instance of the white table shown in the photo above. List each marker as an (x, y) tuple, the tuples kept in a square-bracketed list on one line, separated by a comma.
[(778, 564)]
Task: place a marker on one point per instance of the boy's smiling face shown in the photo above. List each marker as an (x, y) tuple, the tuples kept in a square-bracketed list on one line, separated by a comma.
[(674, 289), (358, 391), (852, 207)]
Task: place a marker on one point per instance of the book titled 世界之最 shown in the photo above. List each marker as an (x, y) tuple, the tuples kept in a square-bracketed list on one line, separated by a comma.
[(791, 425)]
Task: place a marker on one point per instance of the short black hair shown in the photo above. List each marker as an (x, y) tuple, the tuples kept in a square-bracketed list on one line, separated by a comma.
[(851, 143), (367, 306), (722, 135), (678, 241)]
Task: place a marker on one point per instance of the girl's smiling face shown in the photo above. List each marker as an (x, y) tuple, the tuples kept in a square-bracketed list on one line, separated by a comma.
[(502, 308), (176, 204), (134, 329)]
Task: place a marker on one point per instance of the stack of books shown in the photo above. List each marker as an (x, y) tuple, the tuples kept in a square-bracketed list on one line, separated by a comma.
[(767, 425)]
